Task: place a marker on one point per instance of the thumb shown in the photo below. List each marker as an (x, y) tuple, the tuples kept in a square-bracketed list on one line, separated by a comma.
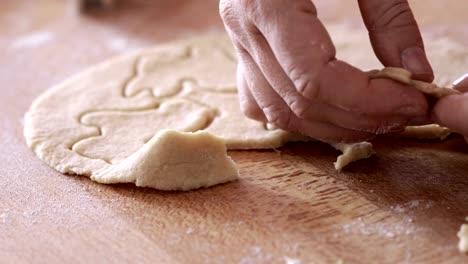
[(395, 36)]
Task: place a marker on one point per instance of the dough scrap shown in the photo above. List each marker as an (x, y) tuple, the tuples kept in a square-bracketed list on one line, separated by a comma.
[(432, 131), (463, 236), (351, 153), (404, 76), (363, 150)]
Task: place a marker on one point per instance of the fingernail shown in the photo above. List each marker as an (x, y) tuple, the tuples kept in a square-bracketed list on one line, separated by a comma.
[(415, 61)]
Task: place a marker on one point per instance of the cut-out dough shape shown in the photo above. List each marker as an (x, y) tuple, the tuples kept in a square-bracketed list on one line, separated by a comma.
[(163, 72), (114, 143), (71, 126), (216, 113)]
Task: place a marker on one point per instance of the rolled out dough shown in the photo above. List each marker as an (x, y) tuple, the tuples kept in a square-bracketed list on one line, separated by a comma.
[(104, 122)]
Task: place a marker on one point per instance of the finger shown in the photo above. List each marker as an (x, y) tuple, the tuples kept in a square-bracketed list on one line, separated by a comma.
[(452, 112), (312, 69), (278, 113), (378, 125), (315, 110), (247, 102), (395, 36), (461, 83)]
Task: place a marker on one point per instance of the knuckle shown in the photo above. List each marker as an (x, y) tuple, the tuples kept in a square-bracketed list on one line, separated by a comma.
[(240, 15), (251, 110), (277, 116), (250, 7), (304, 84), (299, 108), (388, 127), (226, 11), (394, 14)]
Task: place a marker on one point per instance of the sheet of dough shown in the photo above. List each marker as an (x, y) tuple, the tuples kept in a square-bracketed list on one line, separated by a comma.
[(98, 120), (104, 122)]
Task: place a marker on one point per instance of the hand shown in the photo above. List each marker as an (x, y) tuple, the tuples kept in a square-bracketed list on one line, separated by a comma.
[(288, 74), (452, 111)]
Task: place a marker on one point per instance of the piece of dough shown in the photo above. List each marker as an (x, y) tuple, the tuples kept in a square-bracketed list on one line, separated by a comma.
[(174, 160), (463, 236), (432, 131), (404, 76), (351, 153)]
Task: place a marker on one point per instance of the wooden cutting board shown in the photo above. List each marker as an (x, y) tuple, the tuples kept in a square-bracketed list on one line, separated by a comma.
[(404, 205)]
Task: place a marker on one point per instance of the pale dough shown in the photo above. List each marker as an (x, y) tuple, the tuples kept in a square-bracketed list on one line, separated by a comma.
[(426, 132), (463, 236), (351, 153), (104, 122), (174, 160), (404, 76)]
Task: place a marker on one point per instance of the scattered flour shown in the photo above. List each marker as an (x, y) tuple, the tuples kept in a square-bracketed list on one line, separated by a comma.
[(412, 205), (255, 255), (189, 230), (118, 44), (32, 40), (4, 218), (289, 260), (381, 229)]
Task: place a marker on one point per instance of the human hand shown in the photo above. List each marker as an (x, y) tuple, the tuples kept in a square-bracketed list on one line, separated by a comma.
[(452, 111), (288, 74)]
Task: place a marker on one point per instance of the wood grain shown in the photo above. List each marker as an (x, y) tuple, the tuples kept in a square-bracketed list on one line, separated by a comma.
[(402, 206)]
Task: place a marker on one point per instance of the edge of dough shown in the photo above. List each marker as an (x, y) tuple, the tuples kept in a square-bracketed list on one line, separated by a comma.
[(174, 160)]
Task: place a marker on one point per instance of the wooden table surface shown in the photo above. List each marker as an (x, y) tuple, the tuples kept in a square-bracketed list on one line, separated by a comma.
[(403, 206)]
